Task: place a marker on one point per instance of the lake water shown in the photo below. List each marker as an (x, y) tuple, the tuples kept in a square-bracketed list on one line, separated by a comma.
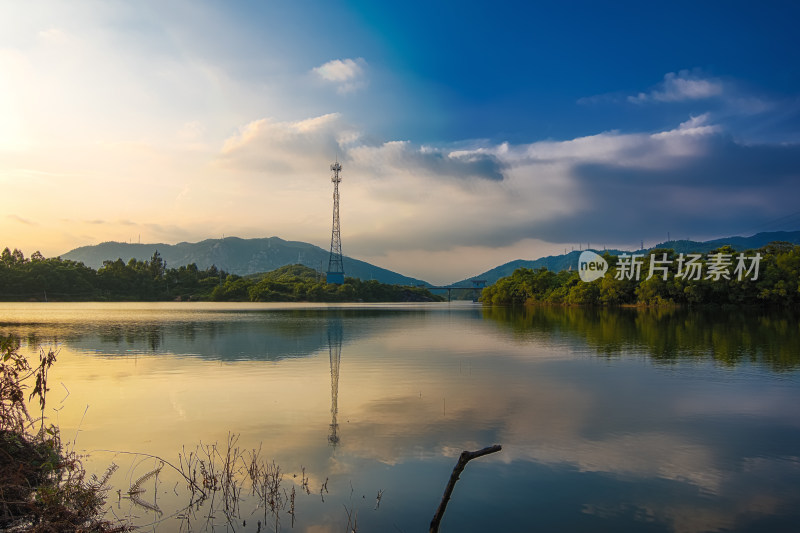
[(626, 420)]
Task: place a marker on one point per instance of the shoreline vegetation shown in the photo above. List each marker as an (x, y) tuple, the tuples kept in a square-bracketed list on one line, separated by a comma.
[(43, 485), (40, 279), (777, 283), (774, 282)]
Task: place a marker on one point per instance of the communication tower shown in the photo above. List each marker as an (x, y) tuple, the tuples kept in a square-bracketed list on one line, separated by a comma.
[(335, 272), (335, 352)]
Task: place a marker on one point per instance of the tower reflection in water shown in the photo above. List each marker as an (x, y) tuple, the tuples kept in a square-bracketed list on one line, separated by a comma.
[(335, 350)]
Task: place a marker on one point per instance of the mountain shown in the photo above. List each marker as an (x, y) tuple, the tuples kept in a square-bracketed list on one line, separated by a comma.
[(737, 243), (555, 263), (562, 262), (252, 256), (236, 256)]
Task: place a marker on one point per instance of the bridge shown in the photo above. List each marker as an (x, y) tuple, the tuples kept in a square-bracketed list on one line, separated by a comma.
[(477, 285)]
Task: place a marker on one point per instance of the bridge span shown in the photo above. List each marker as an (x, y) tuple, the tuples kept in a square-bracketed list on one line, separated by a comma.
[(477, 286)]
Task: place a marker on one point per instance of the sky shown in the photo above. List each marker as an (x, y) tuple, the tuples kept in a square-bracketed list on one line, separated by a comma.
[(470, 133)]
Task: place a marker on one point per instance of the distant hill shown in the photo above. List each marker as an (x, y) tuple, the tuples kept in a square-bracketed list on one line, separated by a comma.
[(236, 256), (557, 263), (253, 256), (737, 243)]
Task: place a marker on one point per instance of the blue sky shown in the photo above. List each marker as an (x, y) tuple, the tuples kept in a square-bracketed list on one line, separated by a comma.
[(471, 133)]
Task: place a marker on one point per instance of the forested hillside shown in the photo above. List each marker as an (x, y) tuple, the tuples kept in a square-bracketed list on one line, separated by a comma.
[(769, 275), (41, 279), (556, 263)]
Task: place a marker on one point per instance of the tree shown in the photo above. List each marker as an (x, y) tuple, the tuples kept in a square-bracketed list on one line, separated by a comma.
[(157, 266)]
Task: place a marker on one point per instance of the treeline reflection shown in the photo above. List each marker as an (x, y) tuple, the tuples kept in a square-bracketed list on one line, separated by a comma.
[(272, 335), (212, 340), (728, 337)]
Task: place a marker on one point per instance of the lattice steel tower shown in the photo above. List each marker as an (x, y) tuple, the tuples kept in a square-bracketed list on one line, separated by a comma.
[(335, 272), (335, 352)]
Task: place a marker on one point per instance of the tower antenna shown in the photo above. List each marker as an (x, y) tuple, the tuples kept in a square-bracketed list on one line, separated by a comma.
[(335, 272), (335, 352)]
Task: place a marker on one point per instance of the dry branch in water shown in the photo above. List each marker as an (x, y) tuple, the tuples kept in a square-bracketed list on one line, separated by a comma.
[(448, 491)]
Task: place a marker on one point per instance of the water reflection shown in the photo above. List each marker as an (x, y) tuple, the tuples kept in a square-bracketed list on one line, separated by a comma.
[(626, 420), (728, 337), (227, 336), (335, 354)]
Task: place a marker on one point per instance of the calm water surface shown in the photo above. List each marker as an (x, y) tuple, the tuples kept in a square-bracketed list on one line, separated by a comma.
[(610, 420)]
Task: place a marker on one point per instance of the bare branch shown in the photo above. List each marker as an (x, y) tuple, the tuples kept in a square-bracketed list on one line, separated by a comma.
[(465, 457)]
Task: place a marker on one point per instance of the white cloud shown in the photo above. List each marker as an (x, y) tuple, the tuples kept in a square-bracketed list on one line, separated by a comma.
[(404, 157), (696, 127), (681, 86), (643, 150), (266, 145), (339, 70), (347, 74)]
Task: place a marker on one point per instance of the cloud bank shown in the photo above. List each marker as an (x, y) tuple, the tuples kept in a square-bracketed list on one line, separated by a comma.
[(693, 180)]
